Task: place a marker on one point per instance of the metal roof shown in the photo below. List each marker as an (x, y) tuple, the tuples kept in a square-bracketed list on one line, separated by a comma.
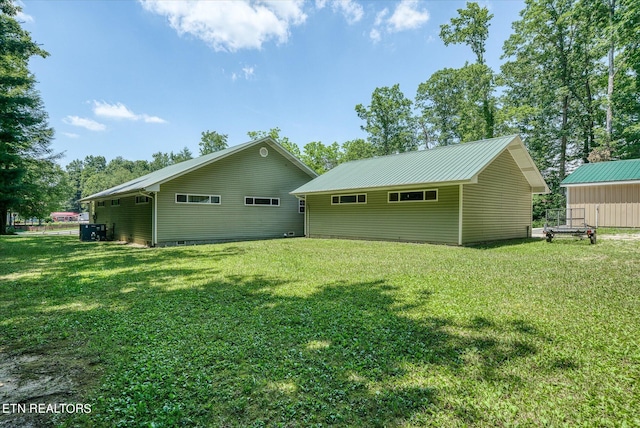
[(151, 182), (456, 164), (604, 172)]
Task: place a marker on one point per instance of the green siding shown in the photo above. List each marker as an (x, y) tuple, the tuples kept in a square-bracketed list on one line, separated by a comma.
[(499, 205), (245, 173), (129, 221), (377, 219)]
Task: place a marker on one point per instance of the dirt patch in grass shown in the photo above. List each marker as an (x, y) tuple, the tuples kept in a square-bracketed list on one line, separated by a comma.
[(27, 380)]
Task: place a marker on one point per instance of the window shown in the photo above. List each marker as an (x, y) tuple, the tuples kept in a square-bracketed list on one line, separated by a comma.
[(414, 196), (100, 204), (142, 199), (349, 199), (264, 201), (183, 198), (301, 206), (115, 202)]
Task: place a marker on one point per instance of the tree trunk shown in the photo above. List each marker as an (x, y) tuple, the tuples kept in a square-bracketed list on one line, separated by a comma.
[(612, 46), (563, 138), (3, 221)]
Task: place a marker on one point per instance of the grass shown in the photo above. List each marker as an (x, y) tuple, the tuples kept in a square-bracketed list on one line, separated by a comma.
[(306, 332)]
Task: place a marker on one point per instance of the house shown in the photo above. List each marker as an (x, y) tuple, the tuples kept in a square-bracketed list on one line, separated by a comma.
[(239, 193), (609, 192), (459, 194)]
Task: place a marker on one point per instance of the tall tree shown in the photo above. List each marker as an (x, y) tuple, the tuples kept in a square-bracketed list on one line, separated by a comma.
[(211, 141), (540, 74), (389, 121), (25, 135), (321, 158), (471, 27), (357, 149)]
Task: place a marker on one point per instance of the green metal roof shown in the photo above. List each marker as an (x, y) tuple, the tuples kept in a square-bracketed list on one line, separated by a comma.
[(604, 172), (151, 182), (458, 163)]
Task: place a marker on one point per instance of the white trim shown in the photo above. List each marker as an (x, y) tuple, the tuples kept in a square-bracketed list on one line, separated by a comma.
[(601, 183), (154, 238), (271, 199), (424, 191), (209, 202), (460, 214), (393, 187), (357, 195)]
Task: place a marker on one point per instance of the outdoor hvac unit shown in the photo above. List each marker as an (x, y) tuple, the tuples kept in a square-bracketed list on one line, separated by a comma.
[(93, 232)]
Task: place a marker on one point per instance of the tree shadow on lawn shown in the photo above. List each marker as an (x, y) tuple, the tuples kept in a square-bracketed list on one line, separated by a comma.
[(244, 352)]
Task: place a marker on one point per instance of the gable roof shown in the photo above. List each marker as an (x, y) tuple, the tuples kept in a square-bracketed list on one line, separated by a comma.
[(456, 164), (604, 172), (151, 182)]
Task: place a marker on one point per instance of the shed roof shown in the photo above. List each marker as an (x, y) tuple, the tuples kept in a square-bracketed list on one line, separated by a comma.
[(456, 164), (604, 172), (151, 182)]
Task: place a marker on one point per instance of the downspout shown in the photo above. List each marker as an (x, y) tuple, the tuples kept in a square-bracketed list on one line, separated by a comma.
[(154, 233), (460, 212)]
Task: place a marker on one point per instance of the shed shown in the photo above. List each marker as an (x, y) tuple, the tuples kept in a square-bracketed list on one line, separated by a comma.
[(609, 192), (460, 194), (239, 193)]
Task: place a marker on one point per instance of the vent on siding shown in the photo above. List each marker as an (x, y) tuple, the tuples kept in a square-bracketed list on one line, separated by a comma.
[(264, 152)]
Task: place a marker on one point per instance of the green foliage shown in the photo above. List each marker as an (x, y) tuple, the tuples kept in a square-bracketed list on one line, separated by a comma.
[(389, 121), (274, 133), (274, 333), (211, 142), (357, 149), (470, 27), (25, 136), (321, 158)]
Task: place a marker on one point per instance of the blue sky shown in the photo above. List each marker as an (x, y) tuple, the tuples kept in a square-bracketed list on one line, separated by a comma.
[(130, 78)]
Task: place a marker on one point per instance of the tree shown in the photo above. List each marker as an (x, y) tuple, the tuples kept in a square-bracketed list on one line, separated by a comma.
[(181, 156), (539, 78), (274, 133), (25, 135), (357, 149), (471, 27), (211, 142), (321, 158), (389, 121), (452, 104)]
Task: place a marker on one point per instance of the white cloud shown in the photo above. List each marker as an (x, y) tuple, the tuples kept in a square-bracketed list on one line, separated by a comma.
[(82, 122), (407, 16), (70, 135), (246, 73), (352, 11), (113, 111), (120, 111), (231, 25), (374, 35)]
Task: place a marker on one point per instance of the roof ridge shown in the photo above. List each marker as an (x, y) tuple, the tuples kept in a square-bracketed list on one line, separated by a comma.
[(449, 146)]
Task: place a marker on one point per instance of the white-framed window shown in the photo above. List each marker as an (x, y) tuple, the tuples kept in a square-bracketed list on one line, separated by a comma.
[(301, 206), (261, 201), (142, 200), (115, 202), (426, 195), (190, 198), (359, 198), (100, 204)]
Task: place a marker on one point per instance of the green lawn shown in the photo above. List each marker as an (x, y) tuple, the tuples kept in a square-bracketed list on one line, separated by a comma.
[(305, 332)]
